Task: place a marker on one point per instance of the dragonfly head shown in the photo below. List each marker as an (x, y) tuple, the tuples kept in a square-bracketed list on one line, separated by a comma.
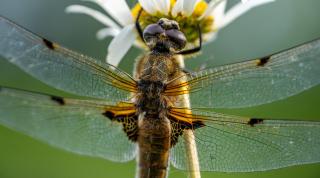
[(164, 36)]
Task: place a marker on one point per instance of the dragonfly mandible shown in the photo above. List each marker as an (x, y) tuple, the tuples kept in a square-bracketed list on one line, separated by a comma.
[(225, 143)]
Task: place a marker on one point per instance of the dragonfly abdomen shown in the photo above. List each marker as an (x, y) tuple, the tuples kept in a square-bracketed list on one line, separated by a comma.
[(154, 146)]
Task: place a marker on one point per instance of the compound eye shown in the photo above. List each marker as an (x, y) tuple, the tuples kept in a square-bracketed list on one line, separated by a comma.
[(152, 30), (177, 37)]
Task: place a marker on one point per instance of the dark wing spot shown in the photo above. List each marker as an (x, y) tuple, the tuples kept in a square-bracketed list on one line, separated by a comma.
[(129, 124), (197, 124), (58, 99), (130, 127), (109, 115), (263, 61), (254, 121), (178, 127), (48, 43)]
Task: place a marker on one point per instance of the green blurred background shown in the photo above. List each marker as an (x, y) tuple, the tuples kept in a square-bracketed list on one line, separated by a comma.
[(262, 31)]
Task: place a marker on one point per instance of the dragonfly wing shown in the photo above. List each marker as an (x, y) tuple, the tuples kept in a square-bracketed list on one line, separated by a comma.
[(234, 144), (257, 81), (62, 68), (75, 125)]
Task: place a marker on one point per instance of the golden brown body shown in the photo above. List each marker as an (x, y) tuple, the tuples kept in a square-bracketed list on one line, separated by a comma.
[(154, 145), (154, 129)]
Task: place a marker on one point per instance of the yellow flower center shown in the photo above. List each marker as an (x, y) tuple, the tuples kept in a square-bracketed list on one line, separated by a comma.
[(188, 24)]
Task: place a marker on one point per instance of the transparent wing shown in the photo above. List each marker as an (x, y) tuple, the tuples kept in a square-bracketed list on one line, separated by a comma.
[(254, 82), (74, 125), (235, 144), (62, 68)]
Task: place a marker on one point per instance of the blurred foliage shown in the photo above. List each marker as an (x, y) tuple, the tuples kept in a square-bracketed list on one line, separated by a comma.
[(262, 31)]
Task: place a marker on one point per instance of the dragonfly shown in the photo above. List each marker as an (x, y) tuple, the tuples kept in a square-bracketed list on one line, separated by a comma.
[(122, 117)]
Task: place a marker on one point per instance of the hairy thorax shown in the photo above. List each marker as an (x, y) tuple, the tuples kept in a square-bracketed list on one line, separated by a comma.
[(153, 72)]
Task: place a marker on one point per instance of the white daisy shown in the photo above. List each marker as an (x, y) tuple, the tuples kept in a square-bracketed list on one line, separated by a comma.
[(188, 13)]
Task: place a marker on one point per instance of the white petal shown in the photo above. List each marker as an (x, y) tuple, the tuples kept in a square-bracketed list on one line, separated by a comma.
[(178, 7), (240, 9), (148, 5), (163, 6), (120, 45), (93, 13), (189, 5), (218, 13), (117, 9), (210, 37), (105, 32), (211, 6)]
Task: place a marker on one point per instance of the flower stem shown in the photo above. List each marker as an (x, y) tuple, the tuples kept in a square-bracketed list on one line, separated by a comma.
[(188, 136)]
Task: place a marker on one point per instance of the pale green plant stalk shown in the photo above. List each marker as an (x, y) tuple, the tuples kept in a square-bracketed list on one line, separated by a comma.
[(188, 136)]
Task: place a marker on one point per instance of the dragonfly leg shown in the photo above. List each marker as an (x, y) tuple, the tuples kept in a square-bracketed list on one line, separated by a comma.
[(138, 27)]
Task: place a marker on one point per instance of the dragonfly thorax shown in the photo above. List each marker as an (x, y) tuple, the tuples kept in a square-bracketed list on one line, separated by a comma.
[(153, 73), (151, 89), (151, 102)]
